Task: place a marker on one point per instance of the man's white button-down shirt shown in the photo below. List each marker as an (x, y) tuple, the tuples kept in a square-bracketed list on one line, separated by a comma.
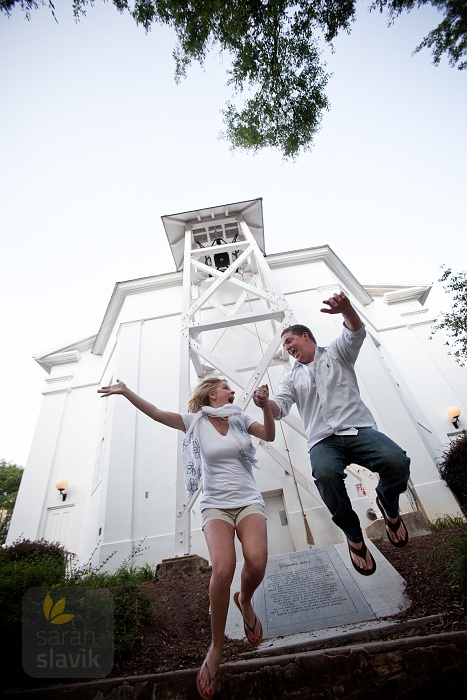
[(326, 390)]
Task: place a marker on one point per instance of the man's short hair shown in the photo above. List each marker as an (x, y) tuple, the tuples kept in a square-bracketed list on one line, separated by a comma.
[(298, 329)]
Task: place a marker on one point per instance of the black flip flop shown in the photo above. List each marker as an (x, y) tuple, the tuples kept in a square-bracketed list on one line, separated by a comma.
[(393, 526), (361, 553)]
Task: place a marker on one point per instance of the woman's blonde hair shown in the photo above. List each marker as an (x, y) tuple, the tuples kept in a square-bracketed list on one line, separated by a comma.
[(201, 393)]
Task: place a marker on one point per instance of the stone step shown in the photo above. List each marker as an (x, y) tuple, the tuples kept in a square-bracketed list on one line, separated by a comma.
[(429, 667)]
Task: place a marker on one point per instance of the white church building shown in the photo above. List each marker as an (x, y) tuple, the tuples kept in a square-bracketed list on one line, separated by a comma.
[(221, 312)]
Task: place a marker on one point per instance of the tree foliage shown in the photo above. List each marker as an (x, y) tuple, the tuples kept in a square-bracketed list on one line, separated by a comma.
[(454, 322), (10, 479), (277, 73), (448, 38)]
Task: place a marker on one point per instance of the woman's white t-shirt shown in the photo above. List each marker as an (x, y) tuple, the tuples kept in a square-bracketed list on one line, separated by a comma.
[(228, 481)]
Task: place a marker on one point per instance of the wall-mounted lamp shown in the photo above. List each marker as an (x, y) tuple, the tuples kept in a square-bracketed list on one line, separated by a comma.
[(454, 413), (62, 485)]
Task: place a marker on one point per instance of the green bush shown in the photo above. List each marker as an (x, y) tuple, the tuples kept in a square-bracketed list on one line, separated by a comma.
[(26, 564), (23, 565), (131, 605), (33, 549), (453, 468), (130, 602)]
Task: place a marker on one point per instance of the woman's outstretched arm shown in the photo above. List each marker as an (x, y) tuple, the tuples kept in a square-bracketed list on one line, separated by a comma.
[(172, 420)]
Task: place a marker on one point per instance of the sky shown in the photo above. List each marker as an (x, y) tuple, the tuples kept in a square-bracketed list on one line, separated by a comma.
[(98, 142)]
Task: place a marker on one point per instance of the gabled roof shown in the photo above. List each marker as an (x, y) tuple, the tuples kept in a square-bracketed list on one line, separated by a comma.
[(124, 289), (211, 217), (120, 292), (396, 293), (64, 354), (391, 293), (334, 263)]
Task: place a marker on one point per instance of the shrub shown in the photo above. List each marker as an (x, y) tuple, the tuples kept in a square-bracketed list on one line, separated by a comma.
[(28, 549), (23, 565), (453, 468), (26, 564), (131, 604)]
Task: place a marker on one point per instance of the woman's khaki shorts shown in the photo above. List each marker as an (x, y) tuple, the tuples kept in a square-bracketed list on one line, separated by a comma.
[(230, 515)]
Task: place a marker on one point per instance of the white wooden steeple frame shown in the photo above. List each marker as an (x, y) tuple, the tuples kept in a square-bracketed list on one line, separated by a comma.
[(255, 302)]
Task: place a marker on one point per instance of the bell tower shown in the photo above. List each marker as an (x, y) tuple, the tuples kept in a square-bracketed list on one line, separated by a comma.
[(230, 301)]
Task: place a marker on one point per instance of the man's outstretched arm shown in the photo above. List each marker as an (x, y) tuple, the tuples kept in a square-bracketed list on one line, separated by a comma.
[(340, 304)]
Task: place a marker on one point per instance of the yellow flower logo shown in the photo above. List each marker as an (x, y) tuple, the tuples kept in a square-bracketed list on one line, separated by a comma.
[(54, 611)]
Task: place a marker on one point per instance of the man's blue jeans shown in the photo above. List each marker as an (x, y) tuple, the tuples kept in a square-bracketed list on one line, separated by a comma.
[(370, 449)]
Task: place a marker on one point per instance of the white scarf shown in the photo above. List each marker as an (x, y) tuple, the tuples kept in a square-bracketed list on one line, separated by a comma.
[(191, 449)]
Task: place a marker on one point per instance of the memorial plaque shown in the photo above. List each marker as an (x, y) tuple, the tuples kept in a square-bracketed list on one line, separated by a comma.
[(308, 590)]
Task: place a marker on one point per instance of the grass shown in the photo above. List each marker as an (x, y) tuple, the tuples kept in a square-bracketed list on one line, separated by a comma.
[(455, 548), (444, 522)]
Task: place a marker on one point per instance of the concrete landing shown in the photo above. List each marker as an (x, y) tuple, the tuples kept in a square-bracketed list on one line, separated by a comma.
[(415, 523)]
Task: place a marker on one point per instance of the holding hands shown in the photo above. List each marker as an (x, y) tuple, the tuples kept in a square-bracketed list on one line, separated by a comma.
[(261, 396)]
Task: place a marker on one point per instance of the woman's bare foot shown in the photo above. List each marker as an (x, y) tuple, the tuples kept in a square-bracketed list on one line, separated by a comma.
[(251, 623), (206, 680)]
